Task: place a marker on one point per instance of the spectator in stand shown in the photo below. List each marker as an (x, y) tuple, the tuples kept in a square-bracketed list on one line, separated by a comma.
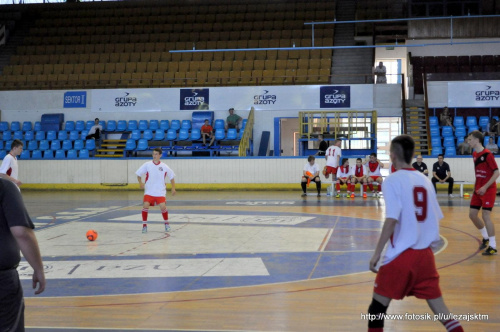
[(95, 131), (445, 118), (233, 120), (494, 128), (207, 132), (492, 146), (380, 71), (464, 148), (323, 145)]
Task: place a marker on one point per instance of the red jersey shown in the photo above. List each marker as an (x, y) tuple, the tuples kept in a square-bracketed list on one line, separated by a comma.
[(484, 165), (359, 171), (206, 129)]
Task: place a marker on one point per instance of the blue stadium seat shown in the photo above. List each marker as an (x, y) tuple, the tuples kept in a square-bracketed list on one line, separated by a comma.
[(62, 135), (8, 144), (18, 135), (72, 154), (175, 125), (449, 141), (44, 145), (458, 121), (147, 134), (48, 154), (32, 145), (3, 153), (84, 154), (111, 125), (84, 134), (78, 145), (89, 124), (171, 135), (436, 151), (7, 135), (450, 151), (130, 145), (447, 131), (51, 135), (143, 125), (495, 117), (219, 124), (15, 126), (103, 124), (471, 121), (142, 144), (79, 125), (483, 122), (460, 132), (29, 135), (195, 134), (435, 142), (460, 140), (219, 134), (90, 144), (67, 145), (4, 126), (232, 134), (154, 125), (38, 126), (244, 123), (472, 128), (159, 135), (55, 145), (60, 154), (433, 121), (240, 133), (132, 125), (69, 125), (186, 124), (25, 154), (121, 126), (36, 154), (183, 134), (164, 125), (27, 126), (136, 134), (40, 135), (74, 135)]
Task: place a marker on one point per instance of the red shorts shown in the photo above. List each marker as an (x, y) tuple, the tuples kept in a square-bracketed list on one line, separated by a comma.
[(152, 200), (411, 273), (330, 170), (485, 201), (374, 177)]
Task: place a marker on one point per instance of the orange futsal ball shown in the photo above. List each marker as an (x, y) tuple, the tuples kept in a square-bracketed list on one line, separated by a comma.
[(91, 235)]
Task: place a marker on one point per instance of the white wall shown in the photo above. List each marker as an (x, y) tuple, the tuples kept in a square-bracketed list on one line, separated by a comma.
[(194, 170)]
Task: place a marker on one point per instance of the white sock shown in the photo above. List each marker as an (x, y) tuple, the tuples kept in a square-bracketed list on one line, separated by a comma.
[(493, 242), (484, 233)]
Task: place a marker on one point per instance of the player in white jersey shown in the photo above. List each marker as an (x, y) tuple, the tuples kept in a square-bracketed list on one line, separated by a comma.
[(310, 173), (359, 175), (344, 177), (373, 167), (9, 169), (332, 156), (410, 229), (156, 174)]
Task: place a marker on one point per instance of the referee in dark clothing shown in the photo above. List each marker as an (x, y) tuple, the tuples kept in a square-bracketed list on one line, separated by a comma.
[(441, 173), (323, 145), (420, 166)]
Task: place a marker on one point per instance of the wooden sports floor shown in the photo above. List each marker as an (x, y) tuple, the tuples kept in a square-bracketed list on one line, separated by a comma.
[(238, 261)]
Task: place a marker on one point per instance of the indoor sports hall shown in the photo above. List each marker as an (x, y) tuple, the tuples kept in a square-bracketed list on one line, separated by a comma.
[(237, 95)]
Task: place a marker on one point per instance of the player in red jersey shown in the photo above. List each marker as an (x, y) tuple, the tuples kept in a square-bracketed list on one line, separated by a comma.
[(485, 191), (374, 175), (411, 227)]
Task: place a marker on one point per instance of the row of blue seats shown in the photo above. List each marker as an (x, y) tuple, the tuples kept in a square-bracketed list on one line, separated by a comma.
[(112, 125), (449, 151), (49, 154), (184, 134), (52, 145), (470, 121), (447, 131), (42, 135)]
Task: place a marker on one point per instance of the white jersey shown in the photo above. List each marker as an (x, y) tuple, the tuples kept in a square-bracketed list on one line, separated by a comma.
[(9, 166), (410, 199), (312, 169), (373, 169), (343, 172), (94, 128), (156, 176), (331, 156)]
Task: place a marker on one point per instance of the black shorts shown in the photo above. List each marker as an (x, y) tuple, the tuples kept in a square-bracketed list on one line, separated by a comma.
[(11, 301)]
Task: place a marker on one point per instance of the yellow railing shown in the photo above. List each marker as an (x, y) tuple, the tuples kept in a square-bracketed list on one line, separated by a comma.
[(247, 135), (343, 124)]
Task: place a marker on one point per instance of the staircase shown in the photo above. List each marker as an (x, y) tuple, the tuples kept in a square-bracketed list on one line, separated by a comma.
[(111, 148), (416, 127), (350, 64)]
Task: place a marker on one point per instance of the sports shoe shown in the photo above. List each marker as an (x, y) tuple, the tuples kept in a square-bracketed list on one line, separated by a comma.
[(319, 195), (490, 252), (485, 244), (303, 195), (375, 195), (352, 195), (167, 228), (364, 195), (144, 229), (451, 195), (338, 196)]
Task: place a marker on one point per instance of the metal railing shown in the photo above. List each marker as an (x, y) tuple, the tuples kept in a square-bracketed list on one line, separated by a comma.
[(247, 135)]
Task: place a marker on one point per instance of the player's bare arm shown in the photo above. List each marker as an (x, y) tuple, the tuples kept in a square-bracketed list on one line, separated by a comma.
[(141, 184), (172, 182), (492, 180), (387, 231)]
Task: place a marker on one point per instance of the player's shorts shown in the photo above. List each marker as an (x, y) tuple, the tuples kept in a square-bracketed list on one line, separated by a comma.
[(313, 179), (357, 179), (152, 200), (374, 177), (330, 170), (413, 272), (343, 180), (487, 201)]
